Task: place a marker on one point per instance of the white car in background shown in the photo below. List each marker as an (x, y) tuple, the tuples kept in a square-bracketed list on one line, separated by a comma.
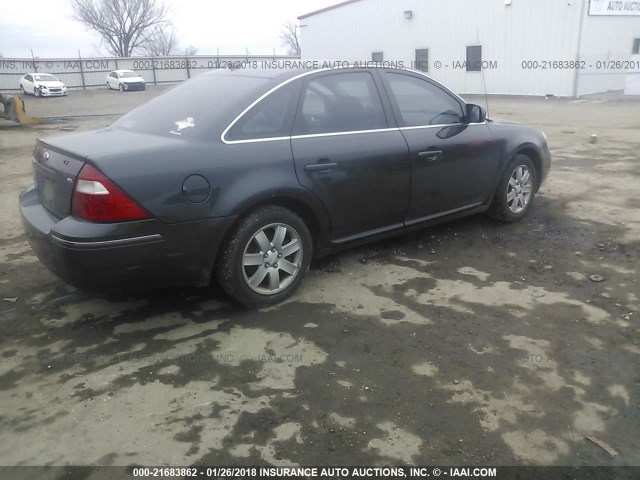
[(42, 85), (125, 80)]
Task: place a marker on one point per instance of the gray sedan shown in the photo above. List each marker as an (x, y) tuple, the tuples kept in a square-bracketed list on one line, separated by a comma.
[(245, 176)]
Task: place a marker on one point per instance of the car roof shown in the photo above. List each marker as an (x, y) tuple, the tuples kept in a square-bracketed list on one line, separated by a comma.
[(266, 73), (124, 70), (279, 75)]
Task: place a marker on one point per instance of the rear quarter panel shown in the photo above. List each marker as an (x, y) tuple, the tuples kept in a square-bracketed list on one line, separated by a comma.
[(240, 176)]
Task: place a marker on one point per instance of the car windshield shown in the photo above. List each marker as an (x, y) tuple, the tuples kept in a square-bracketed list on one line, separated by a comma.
[(192, 108), (45, 77), (128, 74)]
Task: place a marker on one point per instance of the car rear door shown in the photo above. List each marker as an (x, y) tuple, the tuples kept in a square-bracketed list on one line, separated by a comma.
[(453, 163), (346, 151)]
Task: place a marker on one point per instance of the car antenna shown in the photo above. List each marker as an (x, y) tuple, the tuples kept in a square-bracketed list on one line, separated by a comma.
[(484, 82)]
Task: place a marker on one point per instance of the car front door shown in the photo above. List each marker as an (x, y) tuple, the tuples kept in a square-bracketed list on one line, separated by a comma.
[(453, 163), (27, 83), (345, 152)]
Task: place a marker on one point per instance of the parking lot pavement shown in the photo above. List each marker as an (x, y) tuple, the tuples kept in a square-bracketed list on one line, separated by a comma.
[(470, 343)]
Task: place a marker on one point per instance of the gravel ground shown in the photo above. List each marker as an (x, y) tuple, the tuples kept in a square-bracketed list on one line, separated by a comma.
[(470, 343)]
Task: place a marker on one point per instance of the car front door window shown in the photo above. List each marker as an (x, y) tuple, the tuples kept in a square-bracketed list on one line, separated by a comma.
[(421, 103)]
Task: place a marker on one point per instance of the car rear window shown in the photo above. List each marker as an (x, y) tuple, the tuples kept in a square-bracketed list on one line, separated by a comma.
[(194, 108)]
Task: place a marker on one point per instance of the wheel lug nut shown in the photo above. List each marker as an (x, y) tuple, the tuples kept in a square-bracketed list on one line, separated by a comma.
[(279, 255), (275, 265)]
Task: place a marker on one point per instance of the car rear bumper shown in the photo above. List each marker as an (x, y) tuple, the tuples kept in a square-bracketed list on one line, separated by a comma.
[(140, 254)]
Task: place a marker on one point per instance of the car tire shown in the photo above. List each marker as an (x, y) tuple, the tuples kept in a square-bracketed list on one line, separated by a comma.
[(36, 91), (108, 86), (22, 90), (121, 87), (516, 190), (251, 283)]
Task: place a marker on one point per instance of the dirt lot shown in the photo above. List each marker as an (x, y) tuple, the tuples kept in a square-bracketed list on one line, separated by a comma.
[(470, 343)]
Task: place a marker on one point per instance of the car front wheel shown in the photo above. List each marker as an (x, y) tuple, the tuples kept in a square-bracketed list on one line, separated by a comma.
[(36, 91), (516, 190), (265, 258), (121, 87)]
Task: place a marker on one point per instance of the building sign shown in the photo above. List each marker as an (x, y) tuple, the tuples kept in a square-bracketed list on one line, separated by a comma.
[(614, 7)]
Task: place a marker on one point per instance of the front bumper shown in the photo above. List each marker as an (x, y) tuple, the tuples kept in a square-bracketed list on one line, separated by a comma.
[(545, 163), (50, 93), (129, 87), (140, 254)]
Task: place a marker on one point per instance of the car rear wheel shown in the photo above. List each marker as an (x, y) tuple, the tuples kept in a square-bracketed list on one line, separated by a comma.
[(22, 90), (265, 258), (516, 190)]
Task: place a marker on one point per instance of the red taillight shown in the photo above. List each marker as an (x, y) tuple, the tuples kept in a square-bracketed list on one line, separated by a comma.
[(97, 199)]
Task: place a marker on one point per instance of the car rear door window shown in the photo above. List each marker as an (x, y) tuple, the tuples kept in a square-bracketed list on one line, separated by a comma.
[(419, 102), (270, 118), (340, 102)]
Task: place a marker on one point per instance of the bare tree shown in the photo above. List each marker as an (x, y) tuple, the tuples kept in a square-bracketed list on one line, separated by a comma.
[(124, 25), (161, 42), (190, 51), (289, 36)]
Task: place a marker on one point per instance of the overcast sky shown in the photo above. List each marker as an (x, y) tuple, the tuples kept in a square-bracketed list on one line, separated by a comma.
[(47, 26)]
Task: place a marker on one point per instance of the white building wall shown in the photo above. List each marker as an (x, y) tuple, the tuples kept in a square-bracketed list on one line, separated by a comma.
[(540, 30), (606, 38)]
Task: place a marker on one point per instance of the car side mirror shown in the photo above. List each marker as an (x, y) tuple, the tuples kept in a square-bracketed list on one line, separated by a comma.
[(475, 113)]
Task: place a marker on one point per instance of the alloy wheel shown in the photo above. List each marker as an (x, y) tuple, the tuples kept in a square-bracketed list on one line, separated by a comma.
[(272, 259), (519, 188)]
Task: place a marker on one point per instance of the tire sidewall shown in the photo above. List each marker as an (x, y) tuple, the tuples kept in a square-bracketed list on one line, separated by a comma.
[(229, 270), (501, 205)]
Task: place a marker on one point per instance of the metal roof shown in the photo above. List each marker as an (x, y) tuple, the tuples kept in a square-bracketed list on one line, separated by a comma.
[(331, 7)]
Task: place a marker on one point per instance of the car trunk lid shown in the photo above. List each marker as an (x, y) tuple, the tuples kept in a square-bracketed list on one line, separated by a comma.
[(54, 175)]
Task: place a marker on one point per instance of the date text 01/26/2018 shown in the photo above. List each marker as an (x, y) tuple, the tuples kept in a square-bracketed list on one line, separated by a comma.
[(580, 65)]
